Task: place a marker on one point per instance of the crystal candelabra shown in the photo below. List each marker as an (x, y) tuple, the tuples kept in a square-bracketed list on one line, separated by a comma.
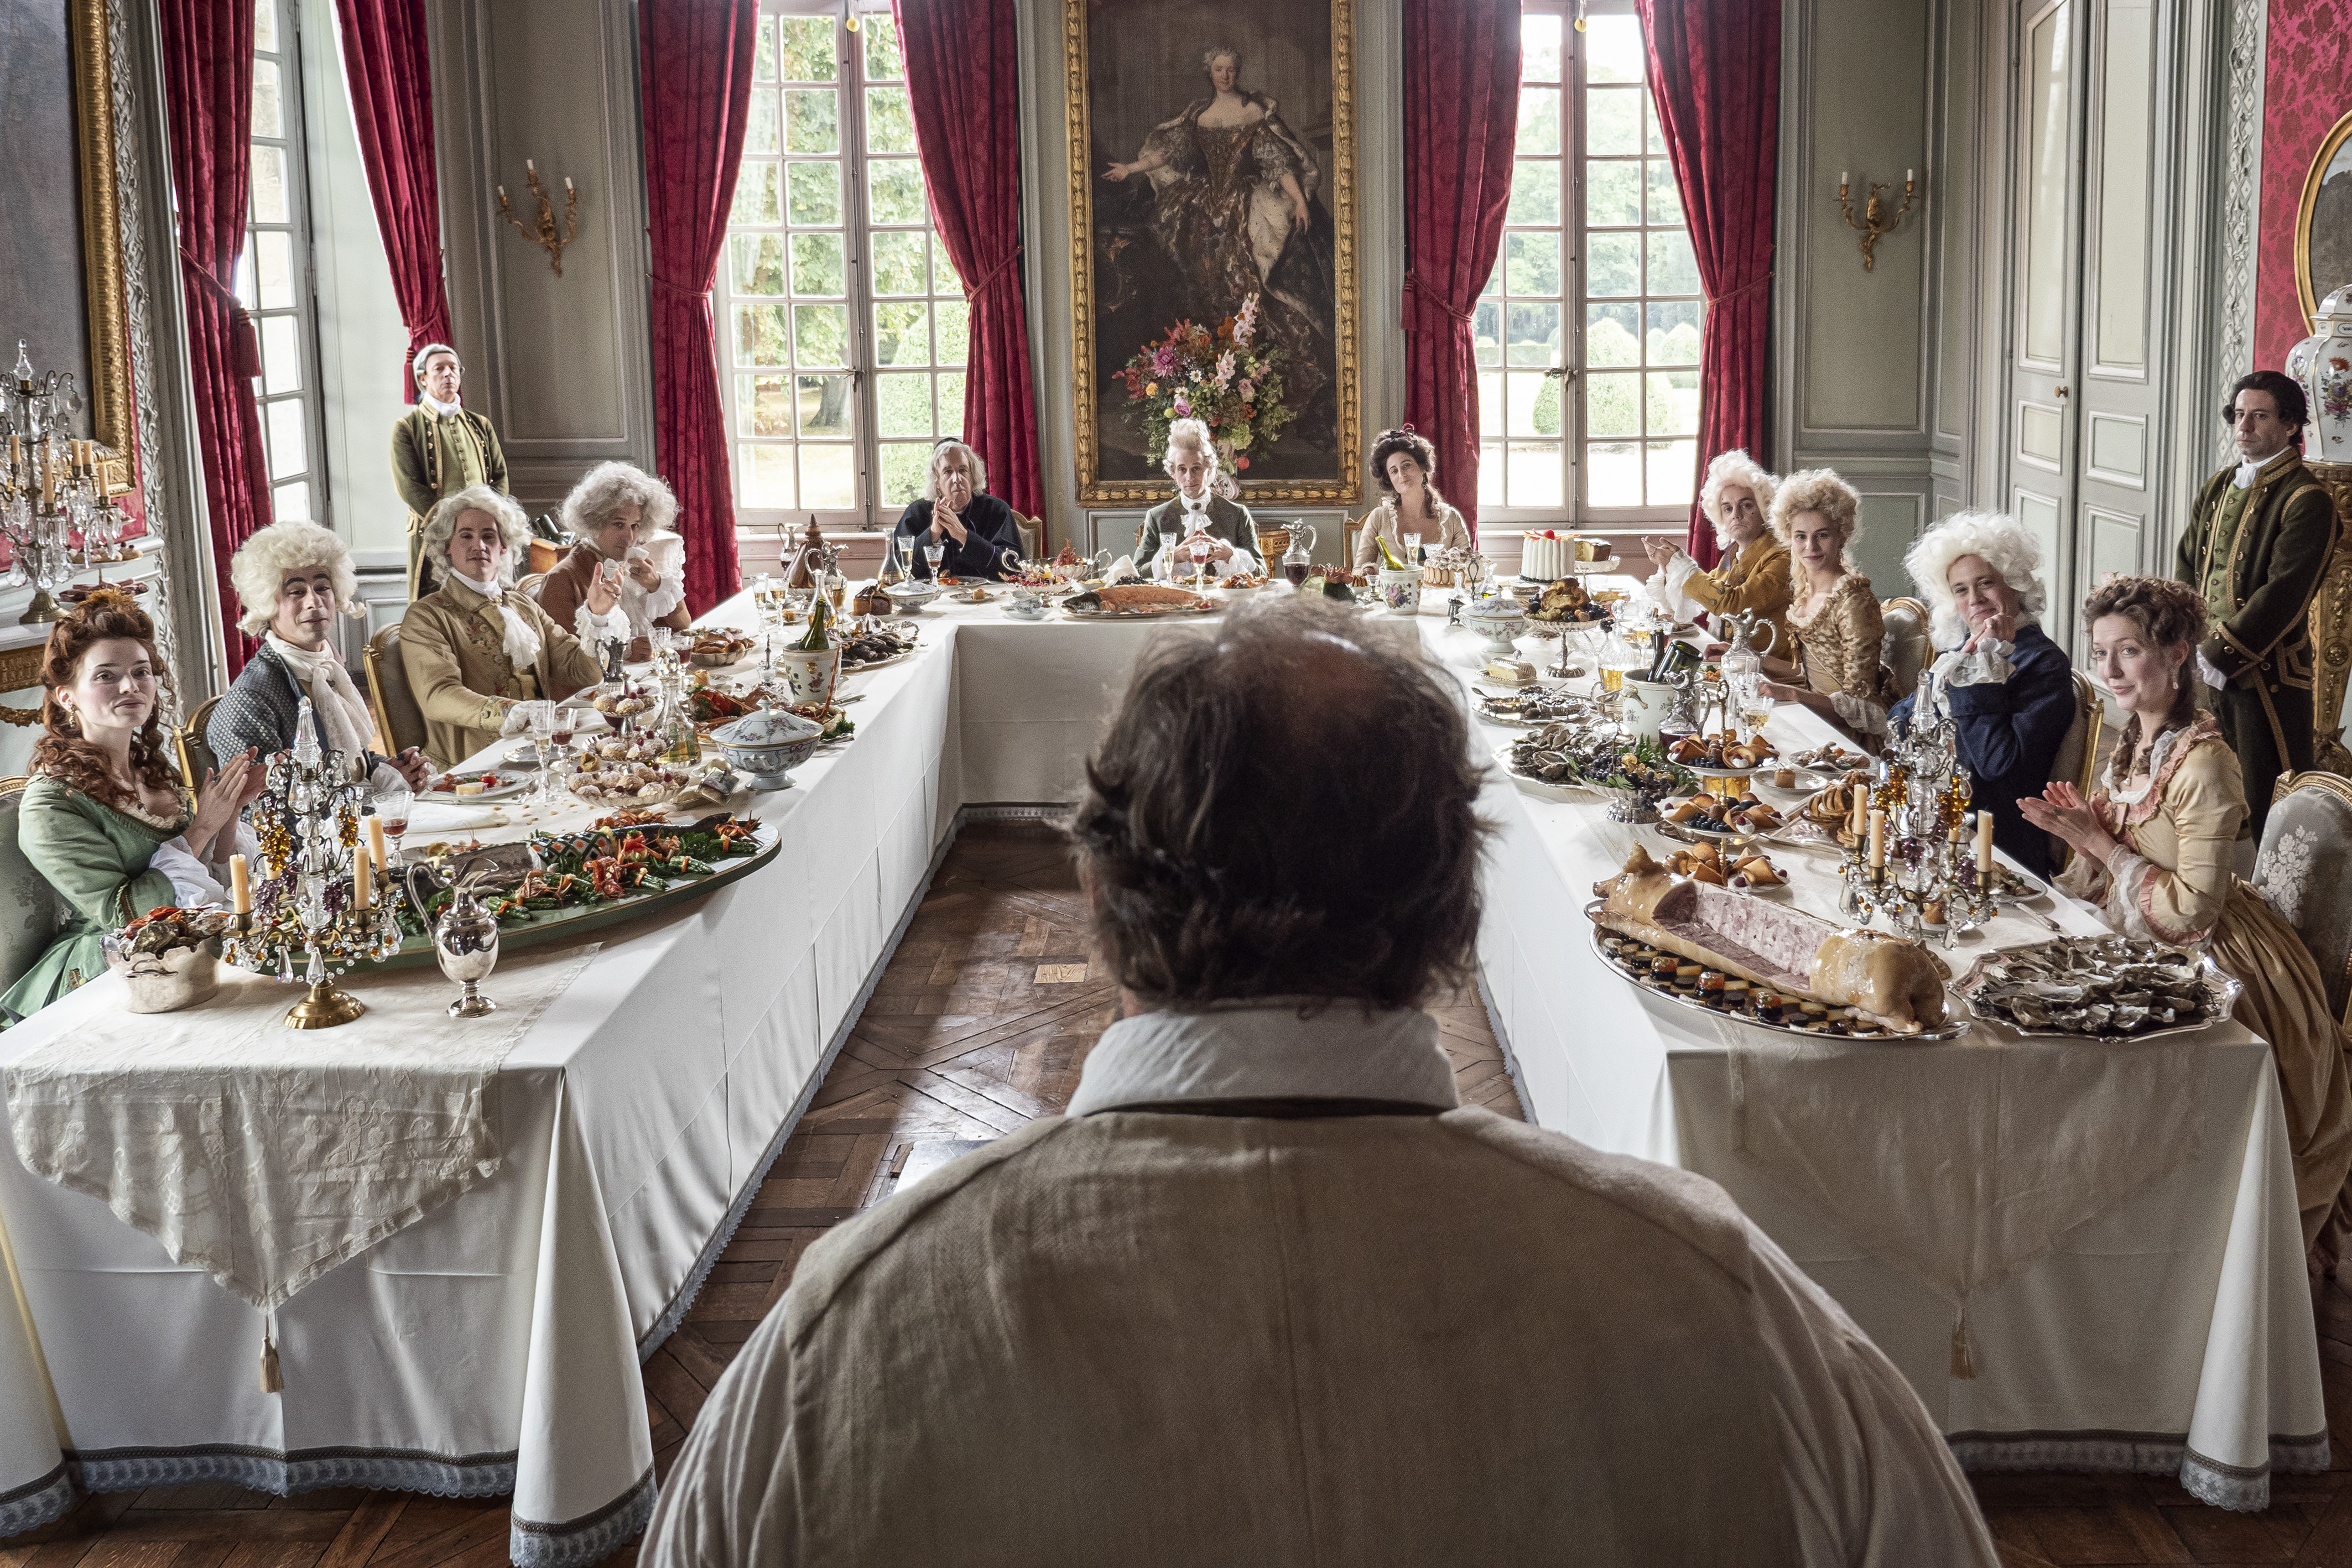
[(55, 513), (1909, 853), (317, 882)]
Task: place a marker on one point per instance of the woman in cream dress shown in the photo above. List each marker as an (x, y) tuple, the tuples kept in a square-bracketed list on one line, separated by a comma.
[(2152, 845), (1832, 666), (1405, 465)]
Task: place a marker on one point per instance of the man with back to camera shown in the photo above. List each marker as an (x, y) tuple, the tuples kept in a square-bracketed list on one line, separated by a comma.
[(2257, 547), (1268, 1293)]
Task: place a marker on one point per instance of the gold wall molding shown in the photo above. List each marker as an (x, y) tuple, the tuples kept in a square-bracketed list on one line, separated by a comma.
[(112, 418)]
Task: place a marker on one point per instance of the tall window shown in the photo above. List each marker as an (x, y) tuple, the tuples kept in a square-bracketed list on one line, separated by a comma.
[(273, 278), (1596, 292), (843, 324)]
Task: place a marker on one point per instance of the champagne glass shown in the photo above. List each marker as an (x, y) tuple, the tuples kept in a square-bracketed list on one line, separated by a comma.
[(539, 723), (1413, 550)]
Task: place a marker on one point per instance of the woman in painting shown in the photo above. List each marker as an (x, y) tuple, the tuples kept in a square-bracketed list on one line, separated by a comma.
[(1234, 207)]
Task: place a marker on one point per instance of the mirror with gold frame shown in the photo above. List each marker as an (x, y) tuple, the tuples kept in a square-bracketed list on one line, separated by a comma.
[(2323, 220)]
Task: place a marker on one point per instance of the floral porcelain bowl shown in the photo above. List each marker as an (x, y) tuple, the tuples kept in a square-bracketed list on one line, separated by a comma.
[(765, 747)]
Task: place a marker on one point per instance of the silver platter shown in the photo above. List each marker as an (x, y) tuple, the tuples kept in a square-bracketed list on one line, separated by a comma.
[(1952, 1029), (2225, 989)]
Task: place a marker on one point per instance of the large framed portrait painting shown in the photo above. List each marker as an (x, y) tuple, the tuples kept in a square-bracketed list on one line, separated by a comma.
[(1213, 223), (2323, 226)]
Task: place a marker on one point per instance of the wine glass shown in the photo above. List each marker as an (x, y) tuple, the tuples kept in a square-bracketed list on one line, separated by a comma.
[(932, 556), (393, 804), (1199, 547)]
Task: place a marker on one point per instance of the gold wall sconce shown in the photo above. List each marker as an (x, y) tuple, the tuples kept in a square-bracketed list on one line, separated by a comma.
[(1876, 222), (545, 236)]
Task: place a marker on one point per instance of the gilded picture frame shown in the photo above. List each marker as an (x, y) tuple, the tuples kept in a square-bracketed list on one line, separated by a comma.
[(2323, 220), (112, 418), (1134, 75)]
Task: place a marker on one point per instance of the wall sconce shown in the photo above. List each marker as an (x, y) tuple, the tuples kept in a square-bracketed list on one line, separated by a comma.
[(545, 236), (1876, 223)]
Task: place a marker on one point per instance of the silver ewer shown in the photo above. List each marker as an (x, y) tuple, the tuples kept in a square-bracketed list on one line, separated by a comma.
[(465, 942)]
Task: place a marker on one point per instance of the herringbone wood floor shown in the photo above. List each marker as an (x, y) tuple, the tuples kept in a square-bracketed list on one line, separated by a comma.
[(963, 1041)]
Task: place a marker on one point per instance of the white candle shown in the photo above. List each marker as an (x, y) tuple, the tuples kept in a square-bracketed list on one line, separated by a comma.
[(502, 194), (567, 184), (1845, 177), (375, 841), (1984, 848), (240, 886), (1878, 840), (1907, 176), (363, 881), (530, 167)]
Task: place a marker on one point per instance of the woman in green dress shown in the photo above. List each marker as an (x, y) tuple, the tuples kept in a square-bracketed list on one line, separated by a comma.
[(106, 819)]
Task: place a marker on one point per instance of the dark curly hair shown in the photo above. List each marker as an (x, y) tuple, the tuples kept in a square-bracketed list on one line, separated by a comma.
[(1286, 809), (2285, 393), (1387, 444), (62, 753), (2168, 615)]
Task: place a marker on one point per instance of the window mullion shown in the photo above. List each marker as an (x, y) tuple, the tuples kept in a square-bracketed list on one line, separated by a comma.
[(860, 280)]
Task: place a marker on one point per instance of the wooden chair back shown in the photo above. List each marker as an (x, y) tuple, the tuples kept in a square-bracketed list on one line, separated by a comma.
[(1906, 647), (399, 721), (2078, 752), (30, 915), (194, 752), (2304, 871)]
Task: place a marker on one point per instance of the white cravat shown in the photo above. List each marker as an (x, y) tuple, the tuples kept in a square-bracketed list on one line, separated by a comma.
[(521, 640), (336, 700), (446, 410), (2245, 479)]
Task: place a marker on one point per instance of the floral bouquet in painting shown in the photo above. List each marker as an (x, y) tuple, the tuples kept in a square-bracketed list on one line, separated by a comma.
[(1221, 379)]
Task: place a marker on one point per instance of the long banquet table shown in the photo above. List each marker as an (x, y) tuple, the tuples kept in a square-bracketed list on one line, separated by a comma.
[(494, 1345)]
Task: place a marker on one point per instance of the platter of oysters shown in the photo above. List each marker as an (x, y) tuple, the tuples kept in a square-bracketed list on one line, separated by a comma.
[(2097, 988), (1573, 761), (1530, 708)]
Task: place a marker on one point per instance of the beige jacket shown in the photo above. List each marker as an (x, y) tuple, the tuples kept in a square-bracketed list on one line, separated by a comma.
[(452, 643), (1191, 1336)]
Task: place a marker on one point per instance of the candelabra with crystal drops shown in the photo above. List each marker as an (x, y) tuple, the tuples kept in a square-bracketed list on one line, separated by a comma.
[(1910, 838), (306, 819), (48, 482)]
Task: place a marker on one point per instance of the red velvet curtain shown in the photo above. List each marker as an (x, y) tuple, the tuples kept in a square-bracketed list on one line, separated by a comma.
[(695, 66), (963, 74), (1461, 128), (208, 91), (389, 72), (1715, 71)]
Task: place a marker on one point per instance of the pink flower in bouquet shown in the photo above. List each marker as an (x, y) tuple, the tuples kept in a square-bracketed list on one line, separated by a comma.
[(1183, 407), (1225, 368), (1163, 360), (1246, 324), (1247, 389)]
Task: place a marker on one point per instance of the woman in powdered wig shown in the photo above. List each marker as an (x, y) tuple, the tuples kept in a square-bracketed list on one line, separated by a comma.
[(1234, 208), (1753, 578), (106, 819), (2152, 845), (1831, 662)]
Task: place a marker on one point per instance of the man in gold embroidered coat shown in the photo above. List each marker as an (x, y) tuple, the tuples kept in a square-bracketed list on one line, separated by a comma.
[(1754, 576), (438, 448), (2257, 545)]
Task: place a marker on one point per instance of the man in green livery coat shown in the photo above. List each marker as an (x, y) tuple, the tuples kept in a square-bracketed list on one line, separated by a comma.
[(2257, 545), (438, 448)]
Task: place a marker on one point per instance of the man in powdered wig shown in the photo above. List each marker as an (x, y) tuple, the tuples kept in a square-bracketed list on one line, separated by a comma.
[(438, 448), (1753, 575), (621, 516), (1163, 544), (293, 579)]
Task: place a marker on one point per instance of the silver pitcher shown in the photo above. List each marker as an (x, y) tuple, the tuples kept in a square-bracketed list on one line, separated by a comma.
[(1738, 633), (465, 940)]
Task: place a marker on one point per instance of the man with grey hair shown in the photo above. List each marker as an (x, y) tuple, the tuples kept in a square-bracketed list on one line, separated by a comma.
[(1268, 1293), (621, 516), (1163, 547), (438, 448), (970, 528)]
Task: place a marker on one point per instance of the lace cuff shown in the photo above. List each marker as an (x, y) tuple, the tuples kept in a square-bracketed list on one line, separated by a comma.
[(664, 596), (1858, 713), (1674, 579), (2207, 673), (594, 631), (1988, 665)]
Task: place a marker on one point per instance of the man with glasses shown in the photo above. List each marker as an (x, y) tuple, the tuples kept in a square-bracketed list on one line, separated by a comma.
[(2257, 546)]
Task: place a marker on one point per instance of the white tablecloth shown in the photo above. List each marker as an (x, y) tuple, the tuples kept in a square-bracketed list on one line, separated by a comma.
[(494, 1345)]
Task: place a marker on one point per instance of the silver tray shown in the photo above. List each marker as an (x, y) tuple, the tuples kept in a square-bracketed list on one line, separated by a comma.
[(848, 669), (1174, 612), (1952, 1029), (2224, 987)]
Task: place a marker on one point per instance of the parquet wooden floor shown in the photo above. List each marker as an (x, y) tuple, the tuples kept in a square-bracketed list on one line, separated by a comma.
[(980, 1024)]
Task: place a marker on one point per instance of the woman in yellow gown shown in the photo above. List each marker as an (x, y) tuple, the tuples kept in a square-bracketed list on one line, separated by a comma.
[(2153, 846)]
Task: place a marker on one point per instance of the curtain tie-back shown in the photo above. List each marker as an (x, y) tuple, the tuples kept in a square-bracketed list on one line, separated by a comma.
[(1432, 296), (245, 343), (999, 270), (657, 280), (1753, 282)]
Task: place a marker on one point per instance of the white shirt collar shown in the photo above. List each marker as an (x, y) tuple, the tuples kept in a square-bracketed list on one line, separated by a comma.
[(490, 590), (1190, 504), (2244, 480), (1254, 1050), (446, 410)]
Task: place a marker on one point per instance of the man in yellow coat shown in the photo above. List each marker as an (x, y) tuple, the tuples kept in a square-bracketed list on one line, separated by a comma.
[(1753, 577), (438, 448)]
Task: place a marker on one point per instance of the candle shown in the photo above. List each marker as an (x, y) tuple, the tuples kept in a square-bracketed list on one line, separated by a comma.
[(503, 195), (362, 882), (1878, 840), (529, 166), (1984, 848), (567, 184), (1843, 179), (240, 886), (1906, 179), (375, 841)]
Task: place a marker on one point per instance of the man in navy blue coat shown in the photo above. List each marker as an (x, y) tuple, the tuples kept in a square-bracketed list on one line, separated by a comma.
[(2010, 690)]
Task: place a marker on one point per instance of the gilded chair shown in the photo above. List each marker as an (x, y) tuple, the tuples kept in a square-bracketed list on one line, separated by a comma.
[(1033, 535), (1272, 544), (532, 583), (2078, 752), (2303, 867), (1905, 649), (2330, 621), (195, 754), (399, 721), (29, 916)]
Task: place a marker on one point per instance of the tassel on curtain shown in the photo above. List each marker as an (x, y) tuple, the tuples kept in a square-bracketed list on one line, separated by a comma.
[(208, 91), (695, 66), (1460, 129), (1715, 74)]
